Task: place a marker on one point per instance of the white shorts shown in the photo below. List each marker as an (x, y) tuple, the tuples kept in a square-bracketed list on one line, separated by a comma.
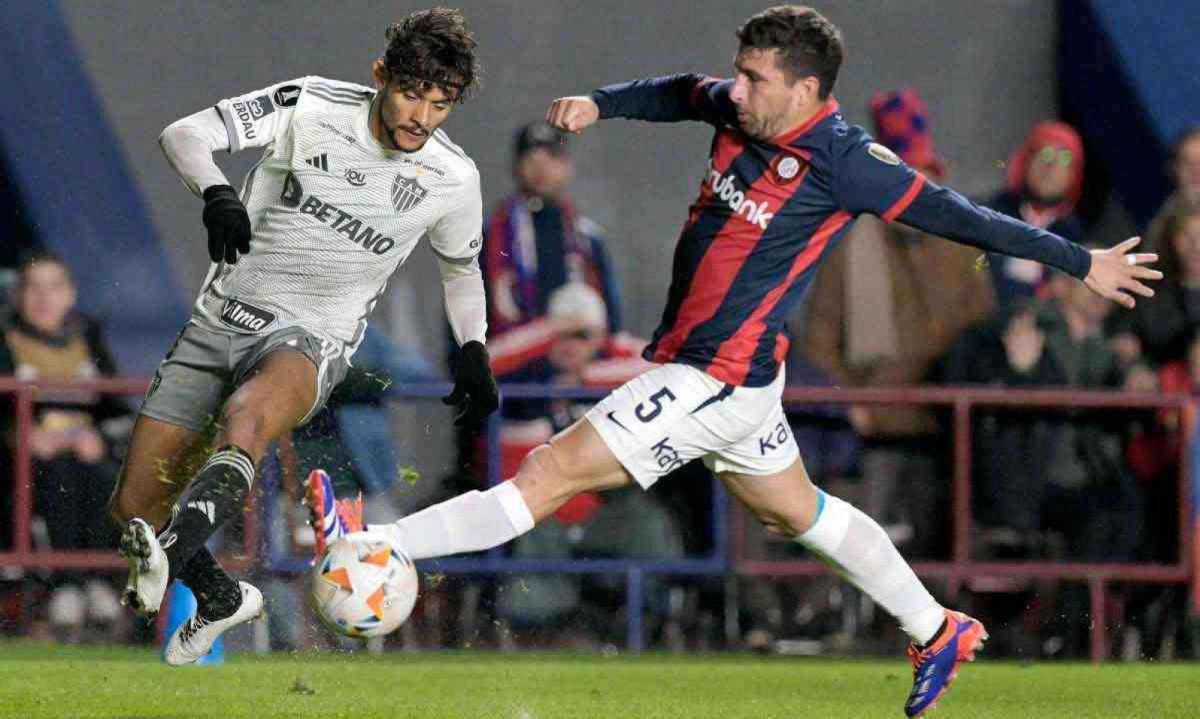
[(675, 413)]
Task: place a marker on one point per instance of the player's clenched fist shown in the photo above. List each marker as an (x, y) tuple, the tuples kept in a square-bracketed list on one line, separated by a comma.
[(227, 222), (573, 114)]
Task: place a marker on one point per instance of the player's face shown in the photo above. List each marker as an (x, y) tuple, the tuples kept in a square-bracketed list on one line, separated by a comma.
[(768, 102), (408, 115)]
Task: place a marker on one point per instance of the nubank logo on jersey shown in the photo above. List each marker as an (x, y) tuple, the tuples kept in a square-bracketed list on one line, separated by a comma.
[(251, 111), (342, 222), (726, 188), (242, 316)]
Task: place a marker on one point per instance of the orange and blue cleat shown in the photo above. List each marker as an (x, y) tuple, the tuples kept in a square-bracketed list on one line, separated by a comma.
[(330, 518), (936, 665)]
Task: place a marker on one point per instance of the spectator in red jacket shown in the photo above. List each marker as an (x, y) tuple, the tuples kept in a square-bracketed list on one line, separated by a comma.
[(1045, 181)]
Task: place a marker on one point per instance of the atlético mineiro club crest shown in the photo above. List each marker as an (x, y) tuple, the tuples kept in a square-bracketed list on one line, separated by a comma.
[(407, 193)]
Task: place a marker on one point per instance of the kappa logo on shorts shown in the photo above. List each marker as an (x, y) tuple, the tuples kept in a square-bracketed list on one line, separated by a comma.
[(242, 316), (666, 456), (774, 439)]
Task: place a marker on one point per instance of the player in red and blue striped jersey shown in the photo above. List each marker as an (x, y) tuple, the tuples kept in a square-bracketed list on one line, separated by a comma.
[(786, 176)]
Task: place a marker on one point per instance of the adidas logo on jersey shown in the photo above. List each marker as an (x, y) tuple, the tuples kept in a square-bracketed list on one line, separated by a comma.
[(321, 162), (725, 187)]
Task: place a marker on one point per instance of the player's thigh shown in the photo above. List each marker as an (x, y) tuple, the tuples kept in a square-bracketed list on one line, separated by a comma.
[(574, 461), (785, 501), (160, 460), (282, 380), (276, 394), (763, 469)]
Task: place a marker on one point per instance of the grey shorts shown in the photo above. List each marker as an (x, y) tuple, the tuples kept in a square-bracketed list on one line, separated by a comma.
[(204, 367)]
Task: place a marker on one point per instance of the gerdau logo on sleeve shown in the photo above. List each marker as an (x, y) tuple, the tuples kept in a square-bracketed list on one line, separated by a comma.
[(342, 222), (250, 111)]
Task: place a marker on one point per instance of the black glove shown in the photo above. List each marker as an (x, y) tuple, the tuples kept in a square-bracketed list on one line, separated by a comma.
[(227, 222), (475, 393)]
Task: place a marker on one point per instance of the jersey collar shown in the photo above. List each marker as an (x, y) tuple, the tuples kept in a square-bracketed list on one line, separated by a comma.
[(831, 106)]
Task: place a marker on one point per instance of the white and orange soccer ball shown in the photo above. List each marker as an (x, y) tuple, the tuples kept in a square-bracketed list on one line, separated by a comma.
[(362, 587)]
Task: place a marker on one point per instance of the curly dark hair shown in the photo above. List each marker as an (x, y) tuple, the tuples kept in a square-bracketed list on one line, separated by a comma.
[(808, 44), (433, 48)]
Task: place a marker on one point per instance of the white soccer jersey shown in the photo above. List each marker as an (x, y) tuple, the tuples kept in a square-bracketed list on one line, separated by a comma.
[(333, 212)]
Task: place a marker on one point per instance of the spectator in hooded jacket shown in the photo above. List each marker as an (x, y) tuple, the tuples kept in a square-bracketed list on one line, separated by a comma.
[(1045, 181)]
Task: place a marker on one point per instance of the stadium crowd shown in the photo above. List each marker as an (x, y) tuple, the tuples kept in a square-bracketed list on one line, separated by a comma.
[(892, 307)]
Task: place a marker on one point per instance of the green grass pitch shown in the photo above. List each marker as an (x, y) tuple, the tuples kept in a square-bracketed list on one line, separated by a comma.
[(39, 681)]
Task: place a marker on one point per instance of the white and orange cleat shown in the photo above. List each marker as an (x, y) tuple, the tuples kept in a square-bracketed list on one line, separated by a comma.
[(330, 518)]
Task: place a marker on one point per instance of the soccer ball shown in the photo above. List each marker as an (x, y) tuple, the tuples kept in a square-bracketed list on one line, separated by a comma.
[(362, 587)]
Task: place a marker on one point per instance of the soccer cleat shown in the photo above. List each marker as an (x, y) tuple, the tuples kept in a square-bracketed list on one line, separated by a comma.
[(148, 568), (936, 666), (330, 518), (193, 639)]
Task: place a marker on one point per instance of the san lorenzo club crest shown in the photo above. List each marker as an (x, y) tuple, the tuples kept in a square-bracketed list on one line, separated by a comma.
[(407, 193)]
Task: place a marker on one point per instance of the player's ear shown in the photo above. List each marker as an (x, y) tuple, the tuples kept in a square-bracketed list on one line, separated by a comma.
[(379, 72)]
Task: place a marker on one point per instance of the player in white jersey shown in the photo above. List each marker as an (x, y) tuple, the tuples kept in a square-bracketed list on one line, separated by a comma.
[(349, 180)]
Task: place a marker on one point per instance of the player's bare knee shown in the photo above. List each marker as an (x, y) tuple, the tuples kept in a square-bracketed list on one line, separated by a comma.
[(547, 466), (244, 425), (790, 523)]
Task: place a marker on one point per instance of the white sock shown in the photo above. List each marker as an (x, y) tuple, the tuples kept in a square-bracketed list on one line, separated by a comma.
[(860, 551), (470, 522)]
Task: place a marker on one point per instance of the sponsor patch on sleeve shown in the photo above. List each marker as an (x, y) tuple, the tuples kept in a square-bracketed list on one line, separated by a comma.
[(287, 95), (881, 153)]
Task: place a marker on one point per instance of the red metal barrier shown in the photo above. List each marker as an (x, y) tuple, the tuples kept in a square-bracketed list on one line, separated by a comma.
[(962, 400), (25, 394), (961, 567)]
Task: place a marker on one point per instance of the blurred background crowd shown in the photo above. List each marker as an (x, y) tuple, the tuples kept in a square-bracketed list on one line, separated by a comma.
[(101, 253)]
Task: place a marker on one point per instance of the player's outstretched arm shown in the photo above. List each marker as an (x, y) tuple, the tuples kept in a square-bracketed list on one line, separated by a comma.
[(1114, 274), (672, 98), (1117, 272)]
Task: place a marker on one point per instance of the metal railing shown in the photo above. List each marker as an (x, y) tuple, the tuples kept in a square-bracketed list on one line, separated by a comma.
[(728, 556)]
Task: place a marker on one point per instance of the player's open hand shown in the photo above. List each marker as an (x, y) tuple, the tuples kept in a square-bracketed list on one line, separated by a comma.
[(573, 114), (227, 222), (1116, 273)]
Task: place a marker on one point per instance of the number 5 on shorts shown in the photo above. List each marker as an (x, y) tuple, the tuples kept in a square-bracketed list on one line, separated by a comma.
[(656, 399)]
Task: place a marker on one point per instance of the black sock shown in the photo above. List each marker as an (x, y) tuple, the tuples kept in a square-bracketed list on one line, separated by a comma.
[(217, 594), (215, 495)]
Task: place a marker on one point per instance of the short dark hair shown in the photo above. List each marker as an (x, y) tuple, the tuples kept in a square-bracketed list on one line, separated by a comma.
[(808, 44), (433, 48)]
